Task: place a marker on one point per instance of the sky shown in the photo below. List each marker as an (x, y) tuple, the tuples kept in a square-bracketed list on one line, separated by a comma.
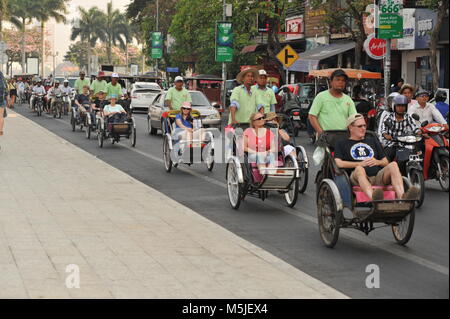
[(62, 32)]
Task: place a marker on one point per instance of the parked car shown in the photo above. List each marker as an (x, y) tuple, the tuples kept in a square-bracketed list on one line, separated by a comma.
[(143, 94), (210, 116)]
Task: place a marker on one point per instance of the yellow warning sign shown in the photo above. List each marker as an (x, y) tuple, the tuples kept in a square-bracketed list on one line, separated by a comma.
[(287, 56)]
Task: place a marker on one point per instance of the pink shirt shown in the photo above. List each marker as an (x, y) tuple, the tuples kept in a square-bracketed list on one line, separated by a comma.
[(259, 143)]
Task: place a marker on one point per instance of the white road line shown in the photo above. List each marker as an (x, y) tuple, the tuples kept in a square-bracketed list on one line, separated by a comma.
[(394, 250)]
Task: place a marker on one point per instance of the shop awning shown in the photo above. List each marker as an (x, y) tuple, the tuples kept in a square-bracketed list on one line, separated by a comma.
[(309, 60)]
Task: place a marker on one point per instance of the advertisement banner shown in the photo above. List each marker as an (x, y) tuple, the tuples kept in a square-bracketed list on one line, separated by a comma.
[(295, 24), (425, 22), (157, 45), (390, 21), (224, 42), (409, 30)]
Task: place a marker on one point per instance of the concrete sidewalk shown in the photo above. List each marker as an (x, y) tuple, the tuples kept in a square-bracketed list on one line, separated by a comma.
[(60, 206)]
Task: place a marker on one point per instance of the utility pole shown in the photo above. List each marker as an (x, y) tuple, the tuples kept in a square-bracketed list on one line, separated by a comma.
[(224, 66), (387, 70)]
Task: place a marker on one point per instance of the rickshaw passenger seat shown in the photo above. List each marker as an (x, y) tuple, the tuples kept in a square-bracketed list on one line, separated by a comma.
[(361, 197)]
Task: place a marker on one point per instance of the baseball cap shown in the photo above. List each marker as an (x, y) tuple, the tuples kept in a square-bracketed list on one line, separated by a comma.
[(113, 96), (338, 72), (262, 73), (353, 118), (400, 100), (186, 105), (66, 81), (101, 91), (179, 78), (115, 75)]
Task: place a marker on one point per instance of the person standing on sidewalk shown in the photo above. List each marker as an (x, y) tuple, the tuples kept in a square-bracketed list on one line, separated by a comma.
[(3, 93), (12, 88), (331, 109)]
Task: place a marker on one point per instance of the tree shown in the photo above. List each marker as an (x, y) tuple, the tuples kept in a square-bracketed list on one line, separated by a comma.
[(77, 54), (347, 15), (441, 7), (117, 30), (89, 28), (23, 12), (50, 9), (3, 15)]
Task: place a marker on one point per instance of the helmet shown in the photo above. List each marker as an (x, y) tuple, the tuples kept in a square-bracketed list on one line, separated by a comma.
[(390, 100), (400, 100), (57, 82), (66, 81), (421, 92), (440, 96)]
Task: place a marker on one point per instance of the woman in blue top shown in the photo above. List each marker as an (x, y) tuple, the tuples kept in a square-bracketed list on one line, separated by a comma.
[(184, 128)]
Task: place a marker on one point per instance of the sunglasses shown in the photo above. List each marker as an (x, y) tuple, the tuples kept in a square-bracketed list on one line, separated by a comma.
[(183, 108), (260, 118)]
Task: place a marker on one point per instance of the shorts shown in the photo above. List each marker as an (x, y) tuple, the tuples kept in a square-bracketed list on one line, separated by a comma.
[(288, 149), (12, 93), (374, 180)]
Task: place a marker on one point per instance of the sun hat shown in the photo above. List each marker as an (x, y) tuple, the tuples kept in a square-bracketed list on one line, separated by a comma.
[(271, 116), (241, 75), (353, 118)]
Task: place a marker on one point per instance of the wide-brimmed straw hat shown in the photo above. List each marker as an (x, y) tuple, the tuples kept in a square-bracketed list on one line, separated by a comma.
[(241, 75)]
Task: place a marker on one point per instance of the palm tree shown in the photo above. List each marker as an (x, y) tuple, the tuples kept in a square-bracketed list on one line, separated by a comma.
[(117, 30), (23, 12), (50, 9), (89, 28), (3, 14)]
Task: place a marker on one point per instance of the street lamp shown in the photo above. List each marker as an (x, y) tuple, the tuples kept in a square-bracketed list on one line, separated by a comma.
[(54, 63)]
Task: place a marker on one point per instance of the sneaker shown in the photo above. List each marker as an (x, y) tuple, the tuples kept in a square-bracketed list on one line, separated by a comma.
[(378, 194), (412, 193)]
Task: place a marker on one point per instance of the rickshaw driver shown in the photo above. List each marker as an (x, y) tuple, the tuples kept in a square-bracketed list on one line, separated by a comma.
[(242, 99), (363, 157), (331, 108), (265, 97), (177, 95)]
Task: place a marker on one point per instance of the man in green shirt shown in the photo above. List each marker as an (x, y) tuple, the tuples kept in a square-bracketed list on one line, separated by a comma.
[(264, 96), (99, 84), (177, 95), (331, 109), (114, 88), (242, 100), (81, 82)]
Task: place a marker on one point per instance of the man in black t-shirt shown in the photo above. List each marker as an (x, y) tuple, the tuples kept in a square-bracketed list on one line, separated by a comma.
[(363, 157)]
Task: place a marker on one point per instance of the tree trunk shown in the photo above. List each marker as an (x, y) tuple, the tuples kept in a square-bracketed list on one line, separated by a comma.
[(358, 52), (88, 69), (23, 45), (43, 49), (126, 57), (441, 12)]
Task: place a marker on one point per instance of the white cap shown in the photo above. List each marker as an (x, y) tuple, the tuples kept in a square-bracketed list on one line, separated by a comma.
[(179, 78), (115, 75), (262, 72), (66, 81)]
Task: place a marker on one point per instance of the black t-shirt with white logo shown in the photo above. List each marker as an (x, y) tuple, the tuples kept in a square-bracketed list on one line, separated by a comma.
[(358, 151)]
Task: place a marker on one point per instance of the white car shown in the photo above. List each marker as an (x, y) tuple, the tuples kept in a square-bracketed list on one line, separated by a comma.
[(143, 94)]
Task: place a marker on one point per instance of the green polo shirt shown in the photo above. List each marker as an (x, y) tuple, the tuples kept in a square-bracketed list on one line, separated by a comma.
[(246, 104), (113, 89), (178, 97), (265, 98), (79, 83), (332, 112), (96, 86)]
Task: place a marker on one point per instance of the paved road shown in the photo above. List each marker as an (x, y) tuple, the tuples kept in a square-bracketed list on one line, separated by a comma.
[(419, 270)]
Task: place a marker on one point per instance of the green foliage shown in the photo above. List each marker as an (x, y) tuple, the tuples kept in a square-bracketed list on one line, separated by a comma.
[(77, 54)]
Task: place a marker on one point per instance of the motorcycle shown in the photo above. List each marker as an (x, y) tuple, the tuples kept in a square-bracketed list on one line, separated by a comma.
[(409, 158), (436, 159), (293, 121), (57, 106), (39, 105), (67, 102)]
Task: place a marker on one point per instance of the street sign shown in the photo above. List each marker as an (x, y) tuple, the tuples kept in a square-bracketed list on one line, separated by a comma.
[(224, 42), (157, 45), (390, 20), (287, 56), (173, 70)]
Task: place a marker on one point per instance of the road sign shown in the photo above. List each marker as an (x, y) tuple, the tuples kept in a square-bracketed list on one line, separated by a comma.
[(287, 56), (224, 42), (173, 70), (157, 45)]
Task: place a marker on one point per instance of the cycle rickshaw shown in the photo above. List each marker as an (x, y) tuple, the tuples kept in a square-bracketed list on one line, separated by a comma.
[(116, 131), (246, 179), (200, 149), (335, 194)]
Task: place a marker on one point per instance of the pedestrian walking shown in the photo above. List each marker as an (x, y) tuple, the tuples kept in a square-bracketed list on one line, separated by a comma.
[(3, 93)]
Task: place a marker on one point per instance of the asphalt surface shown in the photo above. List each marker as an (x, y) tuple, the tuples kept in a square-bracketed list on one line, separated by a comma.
[(419, 270)]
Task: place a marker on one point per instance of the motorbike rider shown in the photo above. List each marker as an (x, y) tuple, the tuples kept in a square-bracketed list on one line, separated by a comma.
[(81, 82), (387, 110), (441, 97), (289, 101), (53, 92), (20, 89), (37, 89), (426, 111), (83, 100), (67, 90), (401, 122), (114, 88), (265, 97)]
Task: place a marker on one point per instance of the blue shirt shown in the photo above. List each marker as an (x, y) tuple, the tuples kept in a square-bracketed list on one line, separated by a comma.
[(185, 123), (443, 108)]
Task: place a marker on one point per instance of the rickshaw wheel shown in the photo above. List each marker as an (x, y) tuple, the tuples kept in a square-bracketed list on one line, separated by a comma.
[(209, 157), (88, 132), (72, 121), (100, 138), (404, 229), (328, 215), (166, 154), (304, 174), (234, 188), (291, 196), (133, 137)]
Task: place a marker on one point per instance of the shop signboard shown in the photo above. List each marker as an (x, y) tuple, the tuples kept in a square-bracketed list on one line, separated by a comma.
[(425, 22), (390, 21), (295, 24)]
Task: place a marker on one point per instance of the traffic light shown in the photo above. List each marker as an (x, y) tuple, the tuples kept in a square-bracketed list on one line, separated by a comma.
[(263, 24)]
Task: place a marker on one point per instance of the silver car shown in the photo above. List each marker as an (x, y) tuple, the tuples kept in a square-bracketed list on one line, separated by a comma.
[(143, 94), (210, 116)]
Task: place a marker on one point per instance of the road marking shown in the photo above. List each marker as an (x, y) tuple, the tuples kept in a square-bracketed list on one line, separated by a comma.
[(397, 251)]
